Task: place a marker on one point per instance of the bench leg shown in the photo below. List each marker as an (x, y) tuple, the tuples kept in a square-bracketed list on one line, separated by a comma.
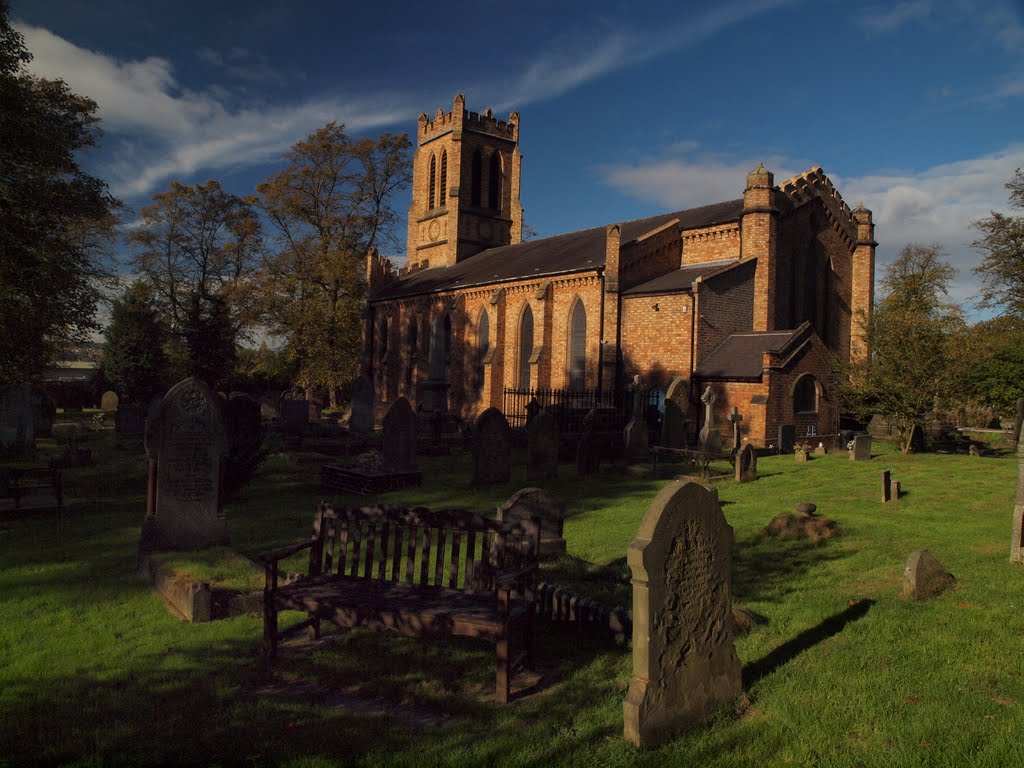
[(501, 694), (531, 636), (314, 627), (269, 628)]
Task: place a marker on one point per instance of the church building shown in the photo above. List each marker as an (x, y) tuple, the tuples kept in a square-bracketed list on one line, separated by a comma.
[(750, 296)]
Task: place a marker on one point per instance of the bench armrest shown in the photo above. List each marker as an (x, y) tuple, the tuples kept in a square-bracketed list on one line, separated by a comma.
[(273, 555)]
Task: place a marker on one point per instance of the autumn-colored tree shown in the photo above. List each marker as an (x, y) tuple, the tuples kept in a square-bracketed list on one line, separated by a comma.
[(1002, 245), (330, 205), (196, 247), (911, 337), (56, 222)]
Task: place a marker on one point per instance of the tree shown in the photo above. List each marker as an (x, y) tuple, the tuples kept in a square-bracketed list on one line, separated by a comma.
[(195, 248), (133, 355), (330, 205), (1002, 243), (910, 335), (55, 219), (991, 365)]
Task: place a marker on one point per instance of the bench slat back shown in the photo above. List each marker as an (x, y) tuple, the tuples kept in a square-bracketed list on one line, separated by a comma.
[(449, 548)]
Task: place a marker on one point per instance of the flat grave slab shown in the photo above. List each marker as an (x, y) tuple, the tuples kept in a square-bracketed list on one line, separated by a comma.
[(367, 481)]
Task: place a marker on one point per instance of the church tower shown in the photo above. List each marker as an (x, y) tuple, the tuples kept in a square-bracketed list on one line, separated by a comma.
[(465, 188)]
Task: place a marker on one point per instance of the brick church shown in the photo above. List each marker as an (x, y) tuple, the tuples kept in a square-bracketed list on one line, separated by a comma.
[(749, 296)]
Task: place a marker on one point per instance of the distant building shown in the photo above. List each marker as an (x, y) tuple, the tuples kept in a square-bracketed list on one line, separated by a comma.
[(749, 296)]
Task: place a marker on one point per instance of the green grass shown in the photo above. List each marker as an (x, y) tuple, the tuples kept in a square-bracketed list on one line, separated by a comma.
[(843, 672)]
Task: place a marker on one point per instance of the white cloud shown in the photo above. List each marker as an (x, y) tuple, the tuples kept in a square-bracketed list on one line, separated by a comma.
[(885, 19), (934, 205)]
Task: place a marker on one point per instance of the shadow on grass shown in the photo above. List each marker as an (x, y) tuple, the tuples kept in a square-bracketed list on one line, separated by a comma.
[(766, 568), (789, 650)]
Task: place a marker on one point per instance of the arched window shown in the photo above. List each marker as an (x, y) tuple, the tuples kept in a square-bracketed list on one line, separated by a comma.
[(433, 179), (525, 347), (577, 346), (805, 395), (483, 344), (383, 337), (411, 342), (475, 179), (444, 178), (494, 183)]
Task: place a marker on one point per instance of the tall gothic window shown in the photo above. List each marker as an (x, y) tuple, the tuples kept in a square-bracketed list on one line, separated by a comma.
[(433, 180), (483, 343), (805, 395), (494, 183), (444, 177), (410, 344), (578, 346), (525, 347), (475, 179)]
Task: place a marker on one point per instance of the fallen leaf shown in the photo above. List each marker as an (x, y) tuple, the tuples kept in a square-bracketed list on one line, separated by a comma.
[(926, 744), (913, 699), (962, 604)]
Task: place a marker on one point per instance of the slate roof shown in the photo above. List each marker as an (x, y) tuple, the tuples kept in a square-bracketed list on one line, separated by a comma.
[(681, 279), (572, 252), (741, 356)]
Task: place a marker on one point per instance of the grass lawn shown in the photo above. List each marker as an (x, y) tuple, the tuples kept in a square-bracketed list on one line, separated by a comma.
[(841, 671)]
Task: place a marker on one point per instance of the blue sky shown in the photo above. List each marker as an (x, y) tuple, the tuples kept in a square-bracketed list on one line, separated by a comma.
[(912, 107)]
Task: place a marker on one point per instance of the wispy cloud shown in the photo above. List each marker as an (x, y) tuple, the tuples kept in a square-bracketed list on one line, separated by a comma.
[(884, 19), (933, 205), (241, 64)]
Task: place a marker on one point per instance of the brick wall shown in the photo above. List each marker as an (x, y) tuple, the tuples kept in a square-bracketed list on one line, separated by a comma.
[(656, 342), (725, 306), (711, 243)]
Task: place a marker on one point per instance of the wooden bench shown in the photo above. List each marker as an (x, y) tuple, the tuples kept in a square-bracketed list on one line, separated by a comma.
[(413, 571), (18, 483)]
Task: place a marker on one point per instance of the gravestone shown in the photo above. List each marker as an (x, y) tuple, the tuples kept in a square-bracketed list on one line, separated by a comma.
[(709, 440), (588, 450), (17, 421), (542, 447), (532, 409), (492, 448), (1017, 541), (635, 432), (684, 661), (186, 443), (109, 401), (362, 405), (294, 417), (1018, 420), (821, 450), (529, 503), (43, 412), (673, 422), (746, 464), (735, 418), (130, 420), (924, 577), (269, 410), (861, 450), (886, 485), (787, 438), (399, 439)]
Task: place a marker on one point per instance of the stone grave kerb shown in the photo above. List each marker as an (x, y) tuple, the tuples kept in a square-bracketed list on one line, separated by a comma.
[(681, 673)]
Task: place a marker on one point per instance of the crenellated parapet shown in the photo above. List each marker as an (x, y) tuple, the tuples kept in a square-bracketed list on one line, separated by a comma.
[(814, 184), (459, 119)]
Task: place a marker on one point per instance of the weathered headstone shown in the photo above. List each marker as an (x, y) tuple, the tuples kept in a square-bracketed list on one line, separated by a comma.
[(186, 443), (709, 440), (294, 417), (1017, 542), (735, 418), (269, 410), (109, 401), (588, 450), (861, 450), (635, 432), (886, 485), (492, 448), (673, 422), (130, 420), (746, 464), (684, 661), (530, 503), (43, 412), (787, 438), (821, 450), (924, 577), (399, 439), (362, 405), (17, 422), (542, 447), (532, 409)]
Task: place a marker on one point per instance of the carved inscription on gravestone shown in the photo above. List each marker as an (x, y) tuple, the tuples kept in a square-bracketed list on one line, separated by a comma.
[(188, 442)]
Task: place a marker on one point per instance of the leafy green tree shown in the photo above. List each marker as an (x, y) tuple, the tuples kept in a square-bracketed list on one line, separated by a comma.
[(209, 334), (330, 205), (991, 365), (133, 355), (911, 335), (1002, 245), (56, 221)]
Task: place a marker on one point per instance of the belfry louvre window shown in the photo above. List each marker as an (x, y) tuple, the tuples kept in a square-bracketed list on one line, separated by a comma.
[(431, 199), (525, 347), (578, 346), (494, 183), (476, 179), (444, 178)]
